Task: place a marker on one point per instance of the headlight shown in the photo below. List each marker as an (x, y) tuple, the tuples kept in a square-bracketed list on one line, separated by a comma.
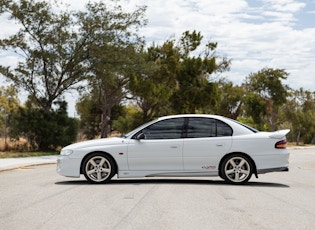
[(66, 152)]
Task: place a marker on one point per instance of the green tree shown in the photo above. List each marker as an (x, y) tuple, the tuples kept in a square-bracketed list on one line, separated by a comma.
[(44, 131), (113, 41), (130, 118), (153, 85), (299, 111), (266, 94), (231, 100), (90, 116), (53, 55), (9, 103), (197, 92)]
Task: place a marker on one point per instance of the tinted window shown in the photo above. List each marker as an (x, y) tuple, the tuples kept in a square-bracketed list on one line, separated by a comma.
[(166, 129), (223, 129), (206, 127)]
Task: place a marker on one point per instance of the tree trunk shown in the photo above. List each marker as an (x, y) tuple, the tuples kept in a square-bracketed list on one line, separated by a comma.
[(105, 123), (298, 137)]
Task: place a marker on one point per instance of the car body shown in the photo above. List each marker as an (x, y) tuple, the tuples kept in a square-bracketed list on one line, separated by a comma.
[(179, 145)]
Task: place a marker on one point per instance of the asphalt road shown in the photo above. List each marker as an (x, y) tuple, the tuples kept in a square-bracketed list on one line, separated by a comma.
[(37, 197)]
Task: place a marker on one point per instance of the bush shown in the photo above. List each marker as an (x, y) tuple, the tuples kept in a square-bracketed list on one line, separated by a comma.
[(44, 130)]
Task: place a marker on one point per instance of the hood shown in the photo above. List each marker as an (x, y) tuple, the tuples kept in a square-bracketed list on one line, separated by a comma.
[(94, 143)]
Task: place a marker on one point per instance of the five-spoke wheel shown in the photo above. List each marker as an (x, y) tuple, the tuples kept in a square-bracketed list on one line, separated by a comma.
[(236, 169), (99, 168)]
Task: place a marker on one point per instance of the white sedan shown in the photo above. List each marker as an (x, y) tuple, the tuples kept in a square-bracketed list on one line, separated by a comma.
[(179, 145)]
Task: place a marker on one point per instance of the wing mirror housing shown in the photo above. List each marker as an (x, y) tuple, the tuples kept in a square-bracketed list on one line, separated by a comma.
[(140, 136)]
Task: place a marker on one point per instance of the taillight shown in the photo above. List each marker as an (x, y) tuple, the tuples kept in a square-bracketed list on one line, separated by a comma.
[(281, 144)]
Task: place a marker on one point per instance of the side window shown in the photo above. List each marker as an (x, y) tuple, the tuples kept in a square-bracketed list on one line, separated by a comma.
[(201, 127), (207, 127), (223, 129), (166, 129)]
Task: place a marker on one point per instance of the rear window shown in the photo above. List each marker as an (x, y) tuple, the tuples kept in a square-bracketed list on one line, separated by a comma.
[(246, 126)]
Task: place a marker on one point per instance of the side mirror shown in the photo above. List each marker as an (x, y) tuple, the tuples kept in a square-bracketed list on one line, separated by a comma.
[(140, 136)]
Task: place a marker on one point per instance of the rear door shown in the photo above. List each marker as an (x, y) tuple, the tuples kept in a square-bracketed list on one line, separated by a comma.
[(207, 141)]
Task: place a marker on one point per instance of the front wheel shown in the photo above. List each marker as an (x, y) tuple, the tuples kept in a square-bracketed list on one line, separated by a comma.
[(236, 169), (99, 168)]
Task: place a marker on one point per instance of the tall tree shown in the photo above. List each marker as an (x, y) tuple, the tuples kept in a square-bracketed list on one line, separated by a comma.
[(266, 94), (299, 111), (90, 115), (153, 85), (113, 42), (53, 55), (231, 100), (197, 92), (9, 103)]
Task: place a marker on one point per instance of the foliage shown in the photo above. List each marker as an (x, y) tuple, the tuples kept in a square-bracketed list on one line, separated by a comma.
[(172, 81), (53, 55), (44, 130), (197, 92), (129, 120), (9, 103), (231, 100), (153, 85), (300, 111), (113, 41), (90, 116), (266, 94)]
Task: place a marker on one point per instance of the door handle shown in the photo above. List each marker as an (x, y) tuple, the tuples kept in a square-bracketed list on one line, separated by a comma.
[(220, 144), (174, 146)]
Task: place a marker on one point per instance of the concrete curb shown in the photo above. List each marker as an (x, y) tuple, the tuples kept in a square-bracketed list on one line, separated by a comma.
[(301, 147), (15, 163)]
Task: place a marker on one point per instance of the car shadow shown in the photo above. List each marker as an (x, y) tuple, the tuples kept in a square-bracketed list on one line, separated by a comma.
[(172, 181)]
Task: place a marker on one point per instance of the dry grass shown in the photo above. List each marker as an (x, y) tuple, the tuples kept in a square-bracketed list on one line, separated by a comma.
[(26, 154), (14, 145), (20, 148)]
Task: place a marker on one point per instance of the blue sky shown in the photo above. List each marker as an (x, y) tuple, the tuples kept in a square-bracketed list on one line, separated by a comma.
[(253, 34)]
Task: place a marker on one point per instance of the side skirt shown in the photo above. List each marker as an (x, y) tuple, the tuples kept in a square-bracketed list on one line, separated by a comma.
[(281, 169), (137, 174)]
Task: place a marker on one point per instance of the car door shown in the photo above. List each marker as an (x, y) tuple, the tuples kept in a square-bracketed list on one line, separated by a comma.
[(159, 149), (206, 142)]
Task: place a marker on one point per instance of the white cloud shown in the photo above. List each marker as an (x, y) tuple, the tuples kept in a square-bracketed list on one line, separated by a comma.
[(285, 5), (254, 34)]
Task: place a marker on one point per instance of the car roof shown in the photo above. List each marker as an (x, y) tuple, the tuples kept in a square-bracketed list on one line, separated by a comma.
[(191, 115)]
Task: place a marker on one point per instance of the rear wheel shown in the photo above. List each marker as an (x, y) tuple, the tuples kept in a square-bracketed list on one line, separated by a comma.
[(99, 168), (236, 169)]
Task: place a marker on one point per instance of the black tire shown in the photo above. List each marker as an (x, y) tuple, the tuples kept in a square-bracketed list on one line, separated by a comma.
[(99, 168), (236, 169)]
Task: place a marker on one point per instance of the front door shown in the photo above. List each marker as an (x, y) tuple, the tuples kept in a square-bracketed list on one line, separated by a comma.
[(160, 149)]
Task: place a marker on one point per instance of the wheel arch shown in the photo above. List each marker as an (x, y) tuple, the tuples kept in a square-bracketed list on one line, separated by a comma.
[(239, 153), (98, 152)]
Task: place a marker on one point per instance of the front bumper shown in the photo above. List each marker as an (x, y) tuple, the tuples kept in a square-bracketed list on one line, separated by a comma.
[(69, 167)]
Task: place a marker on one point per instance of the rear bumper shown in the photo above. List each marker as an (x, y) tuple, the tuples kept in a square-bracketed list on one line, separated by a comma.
[(281, 169)]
